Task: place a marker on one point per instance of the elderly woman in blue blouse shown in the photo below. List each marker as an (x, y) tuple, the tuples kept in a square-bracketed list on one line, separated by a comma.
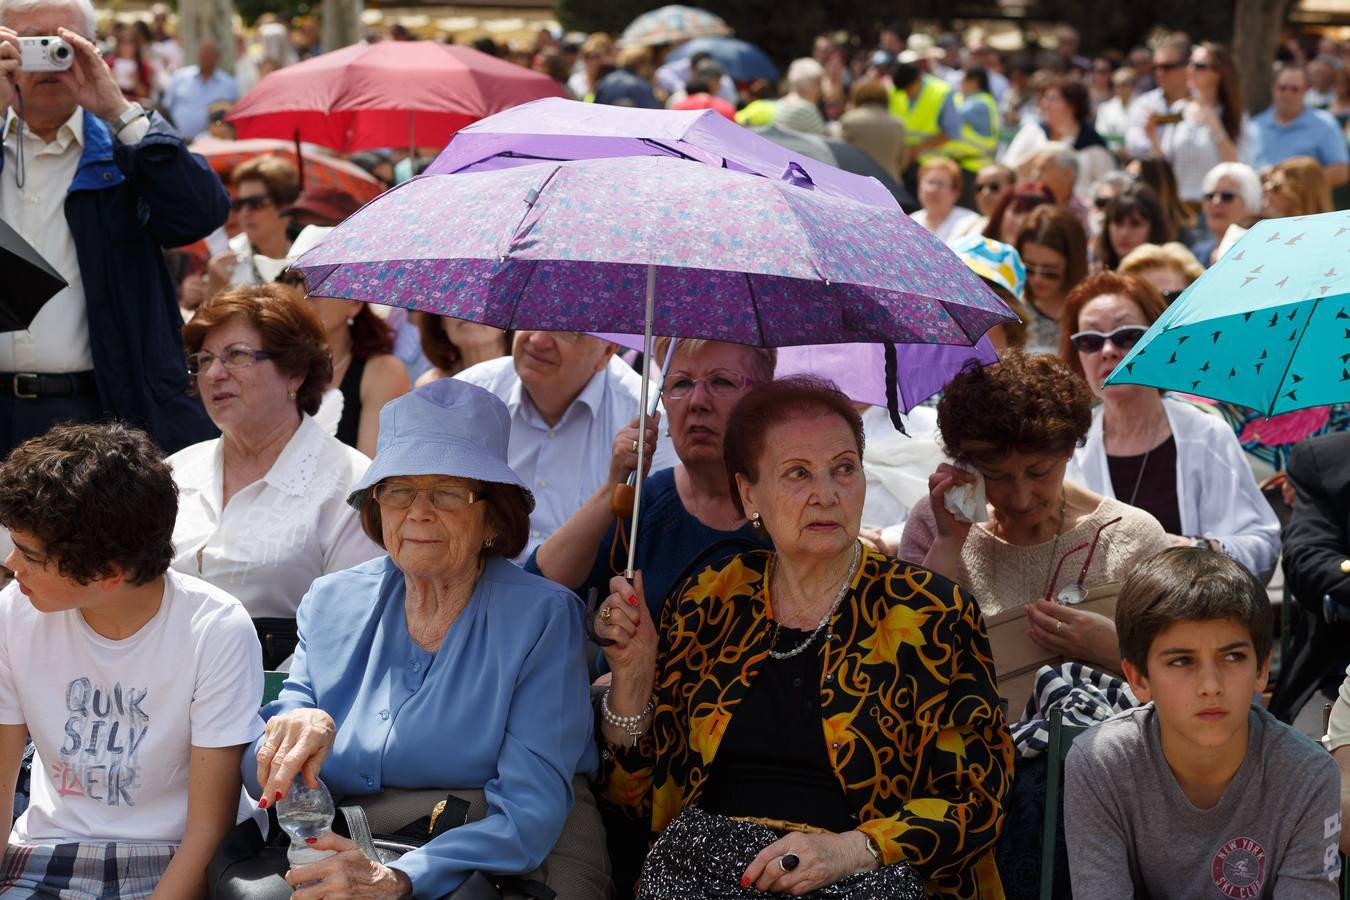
[(440, 665)]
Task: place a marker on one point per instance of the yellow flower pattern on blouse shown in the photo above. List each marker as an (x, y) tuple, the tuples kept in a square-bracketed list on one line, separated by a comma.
[(706, 731), (901, 625), (909, 712)]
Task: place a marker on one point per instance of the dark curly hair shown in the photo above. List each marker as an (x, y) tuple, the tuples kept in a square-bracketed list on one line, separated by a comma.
[(291, 331), (769, 403), (98, 498), (1024, 403)]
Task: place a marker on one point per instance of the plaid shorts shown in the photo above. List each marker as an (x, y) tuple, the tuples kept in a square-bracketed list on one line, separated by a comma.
[(84, 871)]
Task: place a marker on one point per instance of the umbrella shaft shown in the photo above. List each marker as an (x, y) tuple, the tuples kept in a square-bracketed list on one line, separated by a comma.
[(642, 417)]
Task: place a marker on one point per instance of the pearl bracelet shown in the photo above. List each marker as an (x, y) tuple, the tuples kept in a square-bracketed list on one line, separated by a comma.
[(629, 724)]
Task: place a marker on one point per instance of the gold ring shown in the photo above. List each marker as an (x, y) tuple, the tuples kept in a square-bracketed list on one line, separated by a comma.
[(606, 613), (1059, 626)]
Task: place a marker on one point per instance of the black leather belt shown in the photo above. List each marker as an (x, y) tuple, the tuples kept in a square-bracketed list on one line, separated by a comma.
[(47, 386)]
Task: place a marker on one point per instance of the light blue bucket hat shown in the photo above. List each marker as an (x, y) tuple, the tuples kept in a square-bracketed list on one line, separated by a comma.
[(448, 427)]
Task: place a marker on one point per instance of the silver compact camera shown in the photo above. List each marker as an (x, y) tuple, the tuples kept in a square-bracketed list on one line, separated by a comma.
[(45, 54)]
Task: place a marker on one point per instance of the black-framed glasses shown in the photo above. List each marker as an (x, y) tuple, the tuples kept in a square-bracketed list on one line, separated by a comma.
[(1093, 341), (445, 497), (235, 356), (1073, 594), (720, 383), (261, 201), (1221, 196), (291, 278)]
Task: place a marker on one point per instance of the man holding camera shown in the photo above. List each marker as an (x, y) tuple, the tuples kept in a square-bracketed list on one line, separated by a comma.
[(98, 186)]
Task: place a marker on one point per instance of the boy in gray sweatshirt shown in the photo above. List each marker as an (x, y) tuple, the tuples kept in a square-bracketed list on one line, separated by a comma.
[(1198, 793)]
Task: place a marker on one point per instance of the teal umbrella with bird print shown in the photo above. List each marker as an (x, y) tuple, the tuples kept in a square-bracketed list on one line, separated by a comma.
[(1267, 326)]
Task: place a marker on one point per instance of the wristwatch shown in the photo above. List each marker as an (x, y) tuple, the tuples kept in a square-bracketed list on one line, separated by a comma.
[(133, 112)]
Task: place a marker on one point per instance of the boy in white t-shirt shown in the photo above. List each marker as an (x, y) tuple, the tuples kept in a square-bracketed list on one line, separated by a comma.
[(138, 686)]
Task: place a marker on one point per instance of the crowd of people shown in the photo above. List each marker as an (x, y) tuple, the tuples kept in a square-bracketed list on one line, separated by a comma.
[(834, 670)]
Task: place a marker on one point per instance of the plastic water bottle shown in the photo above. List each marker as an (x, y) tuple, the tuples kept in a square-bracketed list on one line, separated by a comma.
[(305, 812)]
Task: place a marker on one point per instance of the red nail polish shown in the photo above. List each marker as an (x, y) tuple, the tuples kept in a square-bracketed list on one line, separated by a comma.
[(745, 881), (277, 795), (632, 599), (311, 840), (262, 804)]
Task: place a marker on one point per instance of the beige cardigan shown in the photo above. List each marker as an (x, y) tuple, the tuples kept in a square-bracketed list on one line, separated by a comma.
[(1004, 577)]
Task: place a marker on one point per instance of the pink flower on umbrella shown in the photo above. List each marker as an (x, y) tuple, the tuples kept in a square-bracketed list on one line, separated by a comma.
[(1286, 428)]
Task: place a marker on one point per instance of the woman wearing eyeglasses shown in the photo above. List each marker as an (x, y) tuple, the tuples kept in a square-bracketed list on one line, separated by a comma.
[(262, 509), (263, 187), (439, 666), (1053, 247), (1233, 196), (1013, 426), (1213, 126), (687, 510), (1297, 186), (1165, 456)]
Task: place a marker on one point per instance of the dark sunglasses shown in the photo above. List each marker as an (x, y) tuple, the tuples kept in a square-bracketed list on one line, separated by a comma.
[(1102, 202), (1221, 196), (1094, 341), (1167, 67), (1169, 296), (1201, 66), (260, 202)]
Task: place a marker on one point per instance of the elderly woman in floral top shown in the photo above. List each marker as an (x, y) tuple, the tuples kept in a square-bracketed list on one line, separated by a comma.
[(815, 715)]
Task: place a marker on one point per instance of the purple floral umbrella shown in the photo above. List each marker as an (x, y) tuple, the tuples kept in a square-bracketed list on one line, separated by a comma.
[(553, 129), (582, 245)]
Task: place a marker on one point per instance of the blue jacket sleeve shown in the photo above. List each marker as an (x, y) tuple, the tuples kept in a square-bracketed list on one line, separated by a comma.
[(548, 740), (181, 200)]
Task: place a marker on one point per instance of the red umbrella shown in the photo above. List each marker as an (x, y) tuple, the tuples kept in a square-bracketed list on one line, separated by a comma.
[(320, 168), (389, 94)]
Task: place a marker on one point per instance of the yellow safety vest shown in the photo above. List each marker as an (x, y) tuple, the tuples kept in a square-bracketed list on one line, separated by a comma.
[(757, 113), (972, 150), (922, 117)]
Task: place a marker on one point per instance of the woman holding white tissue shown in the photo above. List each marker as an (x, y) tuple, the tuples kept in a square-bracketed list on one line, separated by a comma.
[(1012, 428)]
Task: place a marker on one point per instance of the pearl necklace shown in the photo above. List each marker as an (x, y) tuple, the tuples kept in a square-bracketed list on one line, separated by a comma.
[(824, 620)]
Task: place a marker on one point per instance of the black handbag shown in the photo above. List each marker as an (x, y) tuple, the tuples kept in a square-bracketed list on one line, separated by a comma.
[(247, 867)]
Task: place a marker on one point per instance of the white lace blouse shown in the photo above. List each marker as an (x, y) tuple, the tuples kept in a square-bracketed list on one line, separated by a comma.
[(278, 534)]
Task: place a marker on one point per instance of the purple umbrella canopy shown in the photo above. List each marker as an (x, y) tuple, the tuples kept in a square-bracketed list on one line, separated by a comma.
[(553, 130), (566, 247), (859, 370)]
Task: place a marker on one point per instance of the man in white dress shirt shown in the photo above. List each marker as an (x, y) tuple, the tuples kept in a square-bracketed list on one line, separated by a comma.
[(1162, 105), (98, 186), (568, 396)]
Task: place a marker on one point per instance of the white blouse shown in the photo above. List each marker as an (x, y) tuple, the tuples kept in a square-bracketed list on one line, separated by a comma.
[(278, 534), (1217, 494)]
